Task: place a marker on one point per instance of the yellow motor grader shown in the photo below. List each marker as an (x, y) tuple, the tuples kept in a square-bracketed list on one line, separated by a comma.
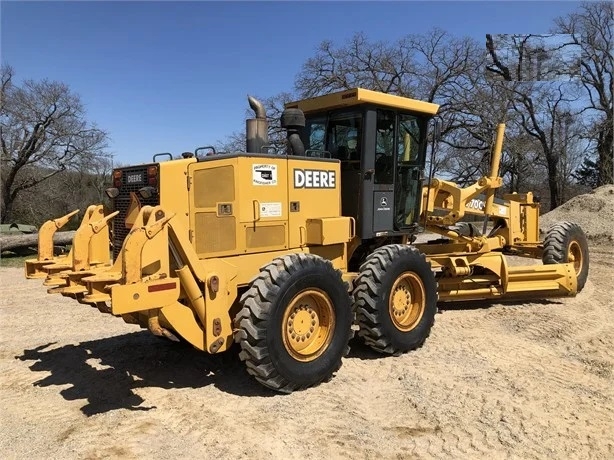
[(288, 254)]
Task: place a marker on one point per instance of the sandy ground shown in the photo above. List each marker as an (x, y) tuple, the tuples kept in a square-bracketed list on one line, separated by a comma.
[(522, 380)]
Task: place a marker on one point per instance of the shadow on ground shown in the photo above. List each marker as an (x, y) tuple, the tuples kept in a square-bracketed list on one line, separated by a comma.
[(106, 372), (484, 304), (359, 350)]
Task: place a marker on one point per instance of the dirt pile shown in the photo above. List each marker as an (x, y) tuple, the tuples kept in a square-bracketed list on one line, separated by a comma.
[(593, 211)]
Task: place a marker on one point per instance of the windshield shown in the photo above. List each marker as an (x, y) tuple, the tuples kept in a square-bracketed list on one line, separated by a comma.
[(344, 136), (314, 134), (341, 139)]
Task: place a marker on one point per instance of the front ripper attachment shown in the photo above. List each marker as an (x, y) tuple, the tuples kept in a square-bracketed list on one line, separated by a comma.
[(158, 282), (90, 252), (140, 283), (34, 267), (143, 258)]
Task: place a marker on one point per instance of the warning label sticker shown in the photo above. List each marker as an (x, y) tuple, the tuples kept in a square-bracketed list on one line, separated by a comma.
[(270, 209)]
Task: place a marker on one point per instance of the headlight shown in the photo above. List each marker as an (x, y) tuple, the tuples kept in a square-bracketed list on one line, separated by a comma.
[(112, 192), (147, 192)]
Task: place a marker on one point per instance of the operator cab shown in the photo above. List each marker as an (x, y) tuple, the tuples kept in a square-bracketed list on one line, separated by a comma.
[(380, 140)]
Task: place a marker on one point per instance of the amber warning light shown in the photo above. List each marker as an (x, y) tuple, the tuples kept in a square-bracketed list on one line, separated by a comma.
[(152, 175), (117, 178)]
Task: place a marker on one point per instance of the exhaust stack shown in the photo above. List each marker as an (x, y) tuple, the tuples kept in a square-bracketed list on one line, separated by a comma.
[(256, 129)]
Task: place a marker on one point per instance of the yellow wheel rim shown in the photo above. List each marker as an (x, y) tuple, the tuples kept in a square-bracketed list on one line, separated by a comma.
[(574, 254), (308, 325), (407, 301)]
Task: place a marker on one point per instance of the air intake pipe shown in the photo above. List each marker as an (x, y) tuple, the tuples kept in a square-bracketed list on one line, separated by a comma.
[(293, 120), (256, 129)]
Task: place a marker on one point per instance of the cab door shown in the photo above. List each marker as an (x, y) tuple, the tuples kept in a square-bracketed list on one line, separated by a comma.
[(410, 156), (383, 172), (344, 140)]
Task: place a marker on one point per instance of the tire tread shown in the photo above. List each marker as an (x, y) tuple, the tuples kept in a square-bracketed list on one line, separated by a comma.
[(252, 319), (368, 291), (557, 240)]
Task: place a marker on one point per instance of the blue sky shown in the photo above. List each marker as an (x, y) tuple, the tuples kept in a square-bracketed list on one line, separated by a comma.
[(171, 76)]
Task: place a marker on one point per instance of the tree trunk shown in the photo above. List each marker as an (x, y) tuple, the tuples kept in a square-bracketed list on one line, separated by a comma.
[(10, 242), (604, 150), (553, 185), (7, 205)]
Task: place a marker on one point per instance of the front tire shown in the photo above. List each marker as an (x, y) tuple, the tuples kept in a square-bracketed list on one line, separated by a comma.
[(467, 229), (566, 242), (395, 299), (295, 323)]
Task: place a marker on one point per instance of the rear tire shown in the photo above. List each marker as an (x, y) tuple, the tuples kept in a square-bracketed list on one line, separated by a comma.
[(395, 299), (466, 229), (566, 242), (295, 323)]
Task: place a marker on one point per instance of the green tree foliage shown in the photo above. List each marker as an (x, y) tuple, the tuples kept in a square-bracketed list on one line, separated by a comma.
[(588, 173)]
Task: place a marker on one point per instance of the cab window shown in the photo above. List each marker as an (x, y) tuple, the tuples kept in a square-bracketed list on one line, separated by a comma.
[(345, 137), (408, 142), (384, 147), (315, 132)]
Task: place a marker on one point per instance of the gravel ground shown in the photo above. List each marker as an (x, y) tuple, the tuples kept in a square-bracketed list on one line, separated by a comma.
[(520, 380), (515, 380)]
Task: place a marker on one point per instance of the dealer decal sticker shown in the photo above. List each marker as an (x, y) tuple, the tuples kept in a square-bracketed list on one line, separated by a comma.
[(263, 174)]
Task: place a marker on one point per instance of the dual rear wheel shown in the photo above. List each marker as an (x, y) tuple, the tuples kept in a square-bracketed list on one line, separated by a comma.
[(395, 298), (296, 317)]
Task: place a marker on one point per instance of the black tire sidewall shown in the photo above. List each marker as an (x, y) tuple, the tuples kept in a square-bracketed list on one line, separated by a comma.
[(322, 276), (410, 262), (467, 229), (571, 233), (576, 235)]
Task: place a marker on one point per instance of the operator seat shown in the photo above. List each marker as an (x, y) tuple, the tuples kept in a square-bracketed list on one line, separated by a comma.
[(342, 153)]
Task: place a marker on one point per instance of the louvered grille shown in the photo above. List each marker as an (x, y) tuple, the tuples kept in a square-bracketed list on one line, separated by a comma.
[(122, 203)]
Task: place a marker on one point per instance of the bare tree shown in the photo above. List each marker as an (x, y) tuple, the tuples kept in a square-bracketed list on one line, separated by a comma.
[(84, 184), (532, 57), (591, 29), (472, 117), (541, 108), (427, 66), (531, 82), (435, 67), (43, 131), (357, 63), (519, 168), (233, 142)]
